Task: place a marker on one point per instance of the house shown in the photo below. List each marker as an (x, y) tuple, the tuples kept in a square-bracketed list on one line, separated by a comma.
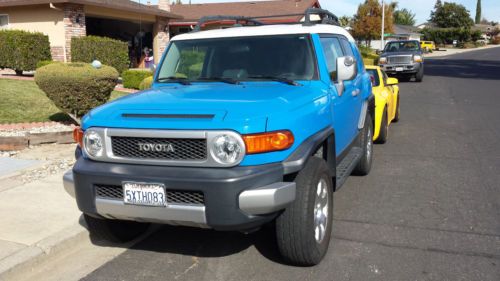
[(191, 13), (140, 25), (404, 32)]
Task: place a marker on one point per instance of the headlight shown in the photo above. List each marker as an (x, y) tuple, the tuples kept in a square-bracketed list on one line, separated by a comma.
[(93, 144), (226, 149), (417, 58), (382, 60)]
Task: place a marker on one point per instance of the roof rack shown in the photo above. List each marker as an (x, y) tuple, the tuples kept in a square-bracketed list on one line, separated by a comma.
[(326, 17)]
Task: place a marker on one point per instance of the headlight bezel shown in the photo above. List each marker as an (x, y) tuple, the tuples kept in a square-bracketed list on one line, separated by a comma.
[(234, 143), (382, 60), (89, 137)]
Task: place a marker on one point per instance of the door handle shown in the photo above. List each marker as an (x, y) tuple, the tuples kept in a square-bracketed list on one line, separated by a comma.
[(356, 92)]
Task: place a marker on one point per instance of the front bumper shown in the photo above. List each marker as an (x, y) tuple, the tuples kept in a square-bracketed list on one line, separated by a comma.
[(238, 198), (395, 69)]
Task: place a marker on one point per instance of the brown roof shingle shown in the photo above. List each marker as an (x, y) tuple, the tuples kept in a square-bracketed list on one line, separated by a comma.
[(124, 5), (193, 12)]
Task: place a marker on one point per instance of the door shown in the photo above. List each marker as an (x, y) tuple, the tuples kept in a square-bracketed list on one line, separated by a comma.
[(346, 106), (391, 105)]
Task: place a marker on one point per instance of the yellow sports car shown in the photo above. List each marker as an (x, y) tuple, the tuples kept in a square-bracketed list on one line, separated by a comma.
[(386, 92)]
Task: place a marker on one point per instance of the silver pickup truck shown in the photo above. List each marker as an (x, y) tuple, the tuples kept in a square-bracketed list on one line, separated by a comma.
[(403, 59)]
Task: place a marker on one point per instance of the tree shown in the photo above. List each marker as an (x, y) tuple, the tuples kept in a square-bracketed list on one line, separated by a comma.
[(478, 12), (451, 15), (367, 22), (404, 17), (345, 21)]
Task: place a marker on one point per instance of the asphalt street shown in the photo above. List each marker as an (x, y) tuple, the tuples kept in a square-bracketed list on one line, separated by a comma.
[(429, 210)]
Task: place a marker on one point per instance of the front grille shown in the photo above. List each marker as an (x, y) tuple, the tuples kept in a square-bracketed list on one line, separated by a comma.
[(400, 59), (180, 197), (179, 149)]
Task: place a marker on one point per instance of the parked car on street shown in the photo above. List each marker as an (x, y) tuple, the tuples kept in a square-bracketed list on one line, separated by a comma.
[(427, 46), (403, 59), (387, 104), (235, 133)]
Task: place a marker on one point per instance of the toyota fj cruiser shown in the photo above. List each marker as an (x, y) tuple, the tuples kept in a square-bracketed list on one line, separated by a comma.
[(243, 126)]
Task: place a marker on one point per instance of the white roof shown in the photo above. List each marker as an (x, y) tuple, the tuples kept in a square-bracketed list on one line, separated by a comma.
[(263, 30)]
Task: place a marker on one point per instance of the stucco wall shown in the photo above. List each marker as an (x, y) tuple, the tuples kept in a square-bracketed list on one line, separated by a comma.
[(39, 18)]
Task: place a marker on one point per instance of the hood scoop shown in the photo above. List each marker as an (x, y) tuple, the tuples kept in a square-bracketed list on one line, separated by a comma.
[(169, 116)]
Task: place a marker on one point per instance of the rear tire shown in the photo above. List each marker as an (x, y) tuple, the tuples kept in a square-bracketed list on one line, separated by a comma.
[(117, 231), (384, 129), (366, 143), (304, 229)]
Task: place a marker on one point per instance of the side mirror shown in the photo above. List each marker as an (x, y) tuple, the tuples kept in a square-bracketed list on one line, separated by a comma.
[(392, 81), (378, 52), (346, 68)]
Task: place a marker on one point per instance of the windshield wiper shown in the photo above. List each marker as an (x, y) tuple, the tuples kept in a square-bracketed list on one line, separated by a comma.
[(277, 79), (173, 79), (221, 79)]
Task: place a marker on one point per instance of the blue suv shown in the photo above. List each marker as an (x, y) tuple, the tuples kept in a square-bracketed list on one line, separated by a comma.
[(243, 126)]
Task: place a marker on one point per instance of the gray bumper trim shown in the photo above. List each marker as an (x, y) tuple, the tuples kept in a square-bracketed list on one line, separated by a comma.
[(171, 214), (69, 183), (267, 199)]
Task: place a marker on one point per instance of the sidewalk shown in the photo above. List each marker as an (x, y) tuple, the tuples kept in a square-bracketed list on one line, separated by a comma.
[(37, 219), (449, 52)]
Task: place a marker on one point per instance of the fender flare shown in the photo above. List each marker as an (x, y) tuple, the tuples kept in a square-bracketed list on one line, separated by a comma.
[(298, 159)]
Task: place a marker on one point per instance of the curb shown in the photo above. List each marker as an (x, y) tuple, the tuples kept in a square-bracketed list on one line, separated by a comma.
[(27, 258)]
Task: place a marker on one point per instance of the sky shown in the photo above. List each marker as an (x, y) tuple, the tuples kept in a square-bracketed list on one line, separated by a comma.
[(422, 8)]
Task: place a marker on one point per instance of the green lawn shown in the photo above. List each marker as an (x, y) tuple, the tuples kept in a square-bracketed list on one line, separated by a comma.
[(23, 101)]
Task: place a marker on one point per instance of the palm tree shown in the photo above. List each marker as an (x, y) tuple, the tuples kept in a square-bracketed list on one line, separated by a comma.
[(404, 17)]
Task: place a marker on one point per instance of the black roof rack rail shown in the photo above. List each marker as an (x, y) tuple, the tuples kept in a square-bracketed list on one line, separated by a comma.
[(326, 17), (237, 19)]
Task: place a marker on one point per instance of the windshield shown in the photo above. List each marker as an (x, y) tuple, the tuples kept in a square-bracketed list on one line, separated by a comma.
[(402, 46), (240, 59)]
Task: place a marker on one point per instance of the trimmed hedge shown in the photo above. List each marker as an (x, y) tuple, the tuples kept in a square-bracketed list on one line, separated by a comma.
[(22, 50), (132, 78), (146, 83), (45, 62), (108, 51), (76, 88)]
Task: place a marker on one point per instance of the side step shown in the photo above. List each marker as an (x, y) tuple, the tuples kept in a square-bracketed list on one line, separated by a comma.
[(347, 165)]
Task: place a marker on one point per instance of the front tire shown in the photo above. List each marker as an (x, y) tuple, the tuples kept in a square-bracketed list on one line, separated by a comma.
[(116, 231), (396, 116), (420, 75), (304, 229), (366, 143), (384, 129)]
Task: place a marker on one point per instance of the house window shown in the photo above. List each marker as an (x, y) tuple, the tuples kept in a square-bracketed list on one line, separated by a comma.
[(4, 21)]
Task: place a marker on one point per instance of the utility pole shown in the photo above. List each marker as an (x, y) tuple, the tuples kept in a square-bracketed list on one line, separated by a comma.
[(383, 26)]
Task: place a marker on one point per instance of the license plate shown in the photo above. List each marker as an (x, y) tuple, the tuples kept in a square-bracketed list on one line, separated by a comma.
[(144, 194), (399, 69)]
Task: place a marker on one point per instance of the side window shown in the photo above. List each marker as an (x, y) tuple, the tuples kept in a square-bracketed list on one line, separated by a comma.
[(347, 47), (4, 21), (333, 50)]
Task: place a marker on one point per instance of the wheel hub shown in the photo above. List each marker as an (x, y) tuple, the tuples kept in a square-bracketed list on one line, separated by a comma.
[(321, 211)]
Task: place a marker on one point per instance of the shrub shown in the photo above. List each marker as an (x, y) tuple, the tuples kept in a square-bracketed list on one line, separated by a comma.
[(108, 51), (495, 41), (76, 88), (132, 78), (44, 63), (22, 50), (146, 83)]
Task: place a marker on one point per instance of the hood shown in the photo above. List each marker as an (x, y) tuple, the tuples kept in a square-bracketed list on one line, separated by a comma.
[(244, 108)]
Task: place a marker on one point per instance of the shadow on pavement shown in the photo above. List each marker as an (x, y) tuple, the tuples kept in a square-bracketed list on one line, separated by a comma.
[(201, 242), (463, 68)]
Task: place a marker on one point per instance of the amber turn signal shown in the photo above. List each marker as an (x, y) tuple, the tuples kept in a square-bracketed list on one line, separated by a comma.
[(267, 142), (78, 136)]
